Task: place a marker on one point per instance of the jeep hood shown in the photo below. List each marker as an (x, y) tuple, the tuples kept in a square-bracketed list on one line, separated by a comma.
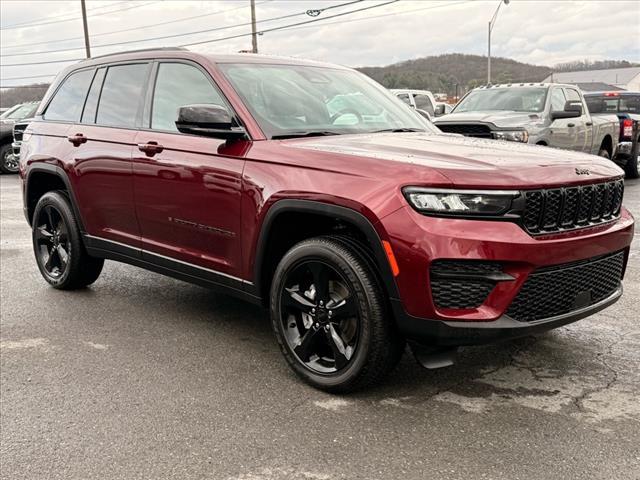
[(468, 161), (501, 119)]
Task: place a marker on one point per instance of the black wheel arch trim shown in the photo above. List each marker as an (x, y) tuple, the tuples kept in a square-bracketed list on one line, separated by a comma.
[(320, 208), (62, 175)]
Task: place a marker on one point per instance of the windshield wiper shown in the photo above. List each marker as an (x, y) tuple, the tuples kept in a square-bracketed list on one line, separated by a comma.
[(319, 133), (399, 130)]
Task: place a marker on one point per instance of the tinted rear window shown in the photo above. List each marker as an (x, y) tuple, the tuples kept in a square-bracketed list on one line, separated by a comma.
[(68, 101), (122, 95)]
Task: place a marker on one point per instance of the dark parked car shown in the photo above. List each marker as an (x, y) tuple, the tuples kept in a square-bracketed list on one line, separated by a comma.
[(626, 105), (359, 228), (8, 162)]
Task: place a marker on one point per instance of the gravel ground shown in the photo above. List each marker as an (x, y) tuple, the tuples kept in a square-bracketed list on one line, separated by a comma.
[(141, 376)]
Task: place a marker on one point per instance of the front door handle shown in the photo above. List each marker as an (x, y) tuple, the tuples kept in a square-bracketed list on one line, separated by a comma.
[(571, 125), (77, 139), (150, 148), (588, 124)]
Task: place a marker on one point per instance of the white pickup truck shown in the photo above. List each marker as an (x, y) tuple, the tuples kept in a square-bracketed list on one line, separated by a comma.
[(549, 114)]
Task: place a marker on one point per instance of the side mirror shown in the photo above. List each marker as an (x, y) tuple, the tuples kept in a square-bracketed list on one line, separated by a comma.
[(208, 120), (439, 110), (572, 109)]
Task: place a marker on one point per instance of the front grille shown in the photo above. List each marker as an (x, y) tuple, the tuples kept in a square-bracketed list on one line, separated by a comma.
[(561, 289), (559, 209), (468, 130), (462, 284)]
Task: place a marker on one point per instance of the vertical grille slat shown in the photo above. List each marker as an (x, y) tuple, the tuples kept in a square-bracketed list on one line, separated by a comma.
[(561, 209)]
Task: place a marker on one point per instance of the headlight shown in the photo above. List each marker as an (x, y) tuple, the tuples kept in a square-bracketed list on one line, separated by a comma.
[(436, 201), (512, 135)]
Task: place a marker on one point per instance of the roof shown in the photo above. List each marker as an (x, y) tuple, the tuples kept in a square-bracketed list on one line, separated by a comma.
[(183, 53), (612, 76), (597, 87)]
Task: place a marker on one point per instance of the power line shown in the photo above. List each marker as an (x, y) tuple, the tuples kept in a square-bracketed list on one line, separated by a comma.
[(55, 16), (135, 28), (164, 37), (391, 14), (26, 78), (274, 29), (131, 7)]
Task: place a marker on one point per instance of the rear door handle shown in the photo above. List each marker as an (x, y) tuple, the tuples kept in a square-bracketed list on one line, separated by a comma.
[(150, 148), (588, 124), (571, 125), (77, 139)]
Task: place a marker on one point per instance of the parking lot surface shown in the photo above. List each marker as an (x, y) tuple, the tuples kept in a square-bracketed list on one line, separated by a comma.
[(145, 377)]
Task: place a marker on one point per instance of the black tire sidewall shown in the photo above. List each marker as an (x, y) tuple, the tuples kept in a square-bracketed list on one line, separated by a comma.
[(5, 150), (321, 250), (61, 204), (604, 154)]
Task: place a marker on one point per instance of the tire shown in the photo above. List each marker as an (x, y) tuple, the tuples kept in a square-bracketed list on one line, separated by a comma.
[(7, 164), (604, 154), (56, 235), (356, 347), (632, 167)]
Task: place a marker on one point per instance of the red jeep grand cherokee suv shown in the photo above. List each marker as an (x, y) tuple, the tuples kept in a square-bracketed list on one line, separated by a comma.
[(309, 188)]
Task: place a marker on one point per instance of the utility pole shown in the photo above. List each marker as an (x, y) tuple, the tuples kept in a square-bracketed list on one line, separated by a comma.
[(254, 34), (492, 23), (86, 28)]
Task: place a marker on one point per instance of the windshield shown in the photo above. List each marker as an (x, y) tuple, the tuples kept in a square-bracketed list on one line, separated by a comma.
[(23, 111), (613, 103), (294, 100), (504, 99)]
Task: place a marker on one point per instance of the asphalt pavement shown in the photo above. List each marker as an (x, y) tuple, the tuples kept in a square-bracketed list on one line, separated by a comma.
[(146, 377)]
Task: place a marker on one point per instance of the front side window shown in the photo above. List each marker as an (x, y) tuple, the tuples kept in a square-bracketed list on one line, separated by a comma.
[(423, 102), (292, 100), (121, 95), (516, 99), (178, 85), (66, 104), (557, 100)]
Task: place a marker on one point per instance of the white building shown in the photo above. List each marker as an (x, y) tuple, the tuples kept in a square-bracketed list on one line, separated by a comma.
[(622, 78)]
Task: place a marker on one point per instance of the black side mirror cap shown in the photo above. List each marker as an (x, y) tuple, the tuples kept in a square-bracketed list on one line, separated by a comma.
[(209, 120)]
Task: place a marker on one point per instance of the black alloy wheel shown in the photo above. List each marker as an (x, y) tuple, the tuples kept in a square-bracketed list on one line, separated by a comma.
[(57, 243), (51, 239), (330, 315), (319, 315)]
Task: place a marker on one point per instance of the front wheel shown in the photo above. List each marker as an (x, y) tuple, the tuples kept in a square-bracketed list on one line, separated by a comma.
[(330, 318), (604, 154)]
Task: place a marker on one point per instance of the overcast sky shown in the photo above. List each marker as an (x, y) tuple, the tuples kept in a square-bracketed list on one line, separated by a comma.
[(540, 32)]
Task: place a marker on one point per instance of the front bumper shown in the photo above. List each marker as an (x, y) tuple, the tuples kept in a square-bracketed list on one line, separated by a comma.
[(421, 240), (443, 333)]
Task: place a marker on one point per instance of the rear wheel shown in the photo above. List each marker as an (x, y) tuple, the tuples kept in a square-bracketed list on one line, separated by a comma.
[(329, 316), (57, 244), (8, 162), (632, 167), (604, 154)]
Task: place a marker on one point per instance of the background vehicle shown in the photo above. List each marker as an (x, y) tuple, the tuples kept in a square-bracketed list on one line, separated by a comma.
[(626, 105), (310, 189), (544, 114), (8, 163), (421, 100)]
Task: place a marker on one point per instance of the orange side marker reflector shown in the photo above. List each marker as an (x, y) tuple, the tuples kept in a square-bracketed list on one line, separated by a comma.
[(392, 258)]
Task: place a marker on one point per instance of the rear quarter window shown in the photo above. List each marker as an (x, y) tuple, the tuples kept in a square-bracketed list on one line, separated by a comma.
[(68, 101)]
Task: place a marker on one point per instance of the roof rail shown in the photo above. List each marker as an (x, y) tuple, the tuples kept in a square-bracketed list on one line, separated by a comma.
[(160, 49)]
